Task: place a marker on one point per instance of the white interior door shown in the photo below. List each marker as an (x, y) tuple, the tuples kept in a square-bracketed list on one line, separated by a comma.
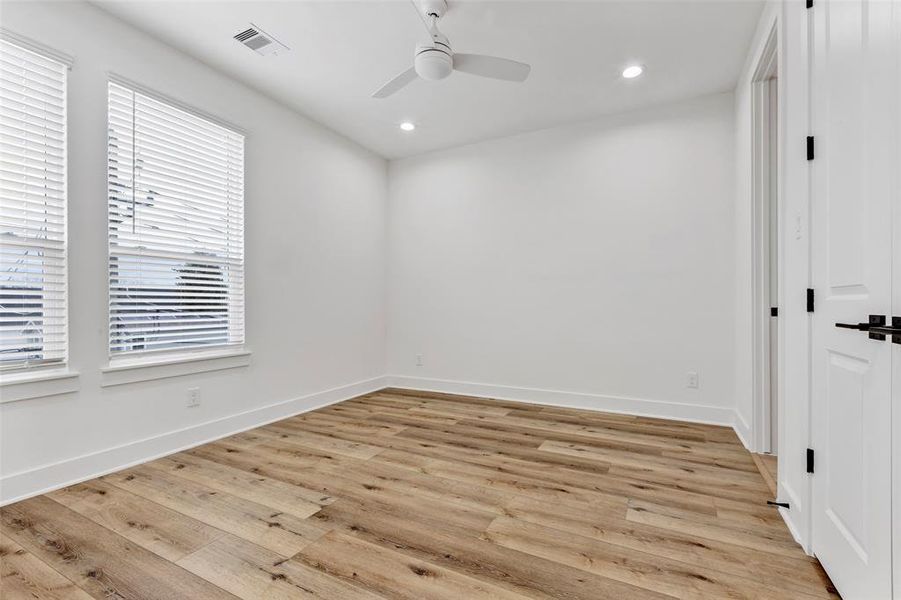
[(853, 87)]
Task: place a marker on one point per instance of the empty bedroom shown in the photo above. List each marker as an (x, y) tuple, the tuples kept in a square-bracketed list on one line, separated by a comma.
[(450, 299)]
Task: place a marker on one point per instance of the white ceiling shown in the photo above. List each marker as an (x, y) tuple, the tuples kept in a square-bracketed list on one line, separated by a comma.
[(341, 51)]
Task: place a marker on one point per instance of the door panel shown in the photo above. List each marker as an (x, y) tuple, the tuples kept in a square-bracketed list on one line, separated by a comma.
[(854, 52), (846, 397)]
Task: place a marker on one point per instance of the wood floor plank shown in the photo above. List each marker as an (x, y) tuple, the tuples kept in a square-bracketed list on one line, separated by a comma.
[(552, 474), (745, 519), (273, 493), (163, 531), (609, 434), (505, 478), (765, 541), (715, 477), (451, 409), (433, 404), (257, 523), (346, 425), (639, 425), (429, 444), (766, 466), (353, 478), (403, 494), (274, 450), (322, 442), (400, 416), (448, 546), (741, 484), (751, 517), (100, 562), (794, 573), (607, 489), (677, 579), (251, 572), (23, 575), (389, 572), (340, 476)]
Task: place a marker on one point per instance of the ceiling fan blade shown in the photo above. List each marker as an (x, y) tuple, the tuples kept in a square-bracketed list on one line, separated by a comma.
[(396, 84), (491, 66)]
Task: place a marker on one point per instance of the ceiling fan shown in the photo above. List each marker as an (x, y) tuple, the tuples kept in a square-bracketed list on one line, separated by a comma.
[(436, 59)]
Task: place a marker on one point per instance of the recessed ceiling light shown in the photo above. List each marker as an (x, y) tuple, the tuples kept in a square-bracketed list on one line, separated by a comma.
[(407, 126), (633, 71)]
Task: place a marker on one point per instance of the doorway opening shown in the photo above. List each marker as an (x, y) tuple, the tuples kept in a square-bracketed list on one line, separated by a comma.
[(766, 258)]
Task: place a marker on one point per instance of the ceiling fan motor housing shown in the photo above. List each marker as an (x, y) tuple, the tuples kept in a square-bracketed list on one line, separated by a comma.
[(433, 62)]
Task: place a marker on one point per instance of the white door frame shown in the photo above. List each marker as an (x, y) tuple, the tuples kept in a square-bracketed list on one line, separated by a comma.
[(896, 311), (792, 20), (766, 198)]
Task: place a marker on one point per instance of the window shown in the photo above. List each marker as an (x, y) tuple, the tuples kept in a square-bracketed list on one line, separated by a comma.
[(176, 227), (33, 325)]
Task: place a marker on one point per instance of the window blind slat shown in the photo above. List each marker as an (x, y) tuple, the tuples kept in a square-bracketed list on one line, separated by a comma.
[(176, 211), (177, 217), (33, 273), (40, 68), (166, 193)]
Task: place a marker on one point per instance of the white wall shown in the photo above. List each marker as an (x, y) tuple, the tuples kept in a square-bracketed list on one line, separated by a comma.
[(592, 262), (315, 263)]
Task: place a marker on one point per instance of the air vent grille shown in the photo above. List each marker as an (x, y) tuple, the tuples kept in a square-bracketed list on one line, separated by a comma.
[(247, 34), (259, 41)]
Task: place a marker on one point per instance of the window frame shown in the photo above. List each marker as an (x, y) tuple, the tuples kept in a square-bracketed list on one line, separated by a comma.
[(26, 374), (158, 363)]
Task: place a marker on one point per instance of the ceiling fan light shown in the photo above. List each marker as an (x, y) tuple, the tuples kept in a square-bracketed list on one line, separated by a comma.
[(432, 64), (633, 71)]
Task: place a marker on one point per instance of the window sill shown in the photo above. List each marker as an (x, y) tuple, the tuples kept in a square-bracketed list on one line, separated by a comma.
[(123, 371), (26, 385)]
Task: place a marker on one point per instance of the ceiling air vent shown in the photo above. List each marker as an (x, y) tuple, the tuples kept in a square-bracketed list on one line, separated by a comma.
[(259, 41)]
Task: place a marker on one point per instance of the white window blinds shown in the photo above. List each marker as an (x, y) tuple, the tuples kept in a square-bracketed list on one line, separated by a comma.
[(32, 208), (176, 227)]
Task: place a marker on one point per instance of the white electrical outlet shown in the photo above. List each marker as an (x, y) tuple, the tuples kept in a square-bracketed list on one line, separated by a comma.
[(193, 397), (419, 360), (691, 380)]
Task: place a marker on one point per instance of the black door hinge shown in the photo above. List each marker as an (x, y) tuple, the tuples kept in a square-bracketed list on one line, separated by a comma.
[(809, 147), (810, 460), (810, 300), (809, 3), (774, 311)]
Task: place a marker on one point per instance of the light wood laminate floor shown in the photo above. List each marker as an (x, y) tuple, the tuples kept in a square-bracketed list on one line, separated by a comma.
[(767, 464), (416, 495)]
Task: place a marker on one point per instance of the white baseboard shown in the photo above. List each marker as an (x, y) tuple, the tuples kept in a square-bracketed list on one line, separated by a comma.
[(696, 413), (743, 431), (40, 480)]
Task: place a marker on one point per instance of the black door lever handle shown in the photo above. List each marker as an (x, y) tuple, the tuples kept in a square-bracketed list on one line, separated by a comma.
[(877, 328), (858, 326), (875, 321)]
